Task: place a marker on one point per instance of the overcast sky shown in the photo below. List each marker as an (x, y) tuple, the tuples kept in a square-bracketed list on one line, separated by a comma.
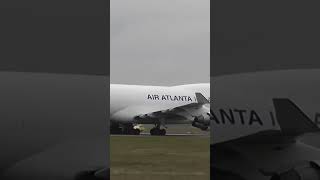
[(160, 42)]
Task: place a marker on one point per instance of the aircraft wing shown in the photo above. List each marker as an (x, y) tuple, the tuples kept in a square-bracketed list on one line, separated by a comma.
[(271, 154), (73, 160), (177, 114)]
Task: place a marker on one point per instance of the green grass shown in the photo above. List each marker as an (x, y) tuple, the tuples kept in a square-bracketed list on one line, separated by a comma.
[(158, 158)]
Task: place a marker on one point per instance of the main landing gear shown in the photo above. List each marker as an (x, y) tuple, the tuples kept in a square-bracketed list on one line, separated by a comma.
[(157, 131)]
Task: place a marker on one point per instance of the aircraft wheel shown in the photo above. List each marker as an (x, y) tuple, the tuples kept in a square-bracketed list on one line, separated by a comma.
[(205, 128), (136, 131), (162, 132), (152, 131), (155, 131)]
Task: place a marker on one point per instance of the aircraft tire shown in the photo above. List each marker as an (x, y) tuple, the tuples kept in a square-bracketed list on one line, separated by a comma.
[(162, 132), (136, 132), (155, 132), (204, 128)]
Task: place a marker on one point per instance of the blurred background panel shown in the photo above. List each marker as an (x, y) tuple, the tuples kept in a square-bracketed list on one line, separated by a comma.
[(253, 36), (54, 36), (263, 35), (54, 70)]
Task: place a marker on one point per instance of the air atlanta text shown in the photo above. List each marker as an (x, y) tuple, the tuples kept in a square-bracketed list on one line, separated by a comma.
[(166, 97)]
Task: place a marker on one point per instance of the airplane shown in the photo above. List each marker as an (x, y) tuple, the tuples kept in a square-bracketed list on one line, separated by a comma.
[(53, 126), (158, 105), (258, 124)]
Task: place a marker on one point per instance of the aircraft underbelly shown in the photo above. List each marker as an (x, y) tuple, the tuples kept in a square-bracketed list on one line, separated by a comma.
[(166, 121)]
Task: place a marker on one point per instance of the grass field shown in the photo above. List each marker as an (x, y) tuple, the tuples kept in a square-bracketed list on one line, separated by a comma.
[(158, 158)]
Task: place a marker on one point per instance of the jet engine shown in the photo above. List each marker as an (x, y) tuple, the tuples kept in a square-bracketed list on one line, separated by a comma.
[(305, 171), (202, 121)]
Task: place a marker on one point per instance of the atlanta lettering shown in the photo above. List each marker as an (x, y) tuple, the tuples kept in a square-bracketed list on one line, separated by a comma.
[(166, 97), (246, 117), (249, 117)]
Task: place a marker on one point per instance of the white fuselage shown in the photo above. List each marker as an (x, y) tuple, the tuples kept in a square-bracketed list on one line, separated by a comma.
[(242, 103), (135, 100)]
